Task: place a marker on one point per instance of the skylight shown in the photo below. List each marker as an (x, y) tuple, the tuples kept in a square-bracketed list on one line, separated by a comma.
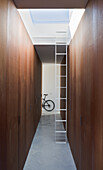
[(42, 24), (49, 15)]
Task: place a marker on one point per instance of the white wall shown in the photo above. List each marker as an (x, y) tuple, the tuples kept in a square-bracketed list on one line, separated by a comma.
[(48, 84)]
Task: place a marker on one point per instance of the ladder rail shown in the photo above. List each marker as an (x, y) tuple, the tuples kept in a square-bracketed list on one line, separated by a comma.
[(55, 90), (57, 54), (66, 92)]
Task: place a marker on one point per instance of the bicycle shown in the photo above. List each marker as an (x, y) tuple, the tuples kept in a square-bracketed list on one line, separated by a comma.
[(48, 105)]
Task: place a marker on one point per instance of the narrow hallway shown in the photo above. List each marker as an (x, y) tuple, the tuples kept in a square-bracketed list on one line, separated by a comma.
[(51, 63), (44, 153)]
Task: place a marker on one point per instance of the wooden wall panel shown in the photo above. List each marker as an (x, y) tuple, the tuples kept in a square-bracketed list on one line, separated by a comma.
[(12, 90), (3, 30), (85, 115), (20, 89)]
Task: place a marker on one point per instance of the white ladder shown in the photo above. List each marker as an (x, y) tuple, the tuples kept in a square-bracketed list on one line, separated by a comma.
[(60, 130)]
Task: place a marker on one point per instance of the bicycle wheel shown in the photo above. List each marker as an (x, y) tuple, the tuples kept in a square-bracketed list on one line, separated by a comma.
[(49, 105)]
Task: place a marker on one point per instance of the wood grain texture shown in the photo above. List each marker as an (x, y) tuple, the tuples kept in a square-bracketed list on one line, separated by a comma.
[(3, 31), (85, 115), (20, 89)]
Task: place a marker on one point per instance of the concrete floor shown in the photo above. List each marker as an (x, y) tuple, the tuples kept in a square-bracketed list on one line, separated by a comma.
[(44, 153)]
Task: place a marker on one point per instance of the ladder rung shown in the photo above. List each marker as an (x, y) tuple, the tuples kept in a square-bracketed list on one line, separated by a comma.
[(61, 65), (61, 109), (60, 142), (60, 120), (61, 98), (61, 53), (60, 131), (61, 87)]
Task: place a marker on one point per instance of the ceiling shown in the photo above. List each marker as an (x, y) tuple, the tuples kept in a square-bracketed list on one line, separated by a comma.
[(50, 3), (46, 53)]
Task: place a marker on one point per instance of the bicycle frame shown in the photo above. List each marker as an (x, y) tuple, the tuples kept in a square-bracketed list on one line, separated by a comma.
[(43, 103)]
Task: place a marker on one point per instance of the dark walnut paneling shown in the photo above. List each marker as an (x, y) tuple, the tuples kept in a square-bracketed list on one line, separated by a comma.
[(3, 25), (20, 89), (85, 98)]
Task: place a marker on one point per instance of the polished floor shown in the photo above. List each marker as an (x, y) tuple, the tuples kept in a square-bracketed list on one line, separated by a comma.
[(44, 153)]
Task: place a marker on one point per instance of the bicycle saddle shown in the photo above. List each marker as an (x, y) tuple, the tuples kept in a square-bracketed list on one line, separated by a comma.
[(45, 94)]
